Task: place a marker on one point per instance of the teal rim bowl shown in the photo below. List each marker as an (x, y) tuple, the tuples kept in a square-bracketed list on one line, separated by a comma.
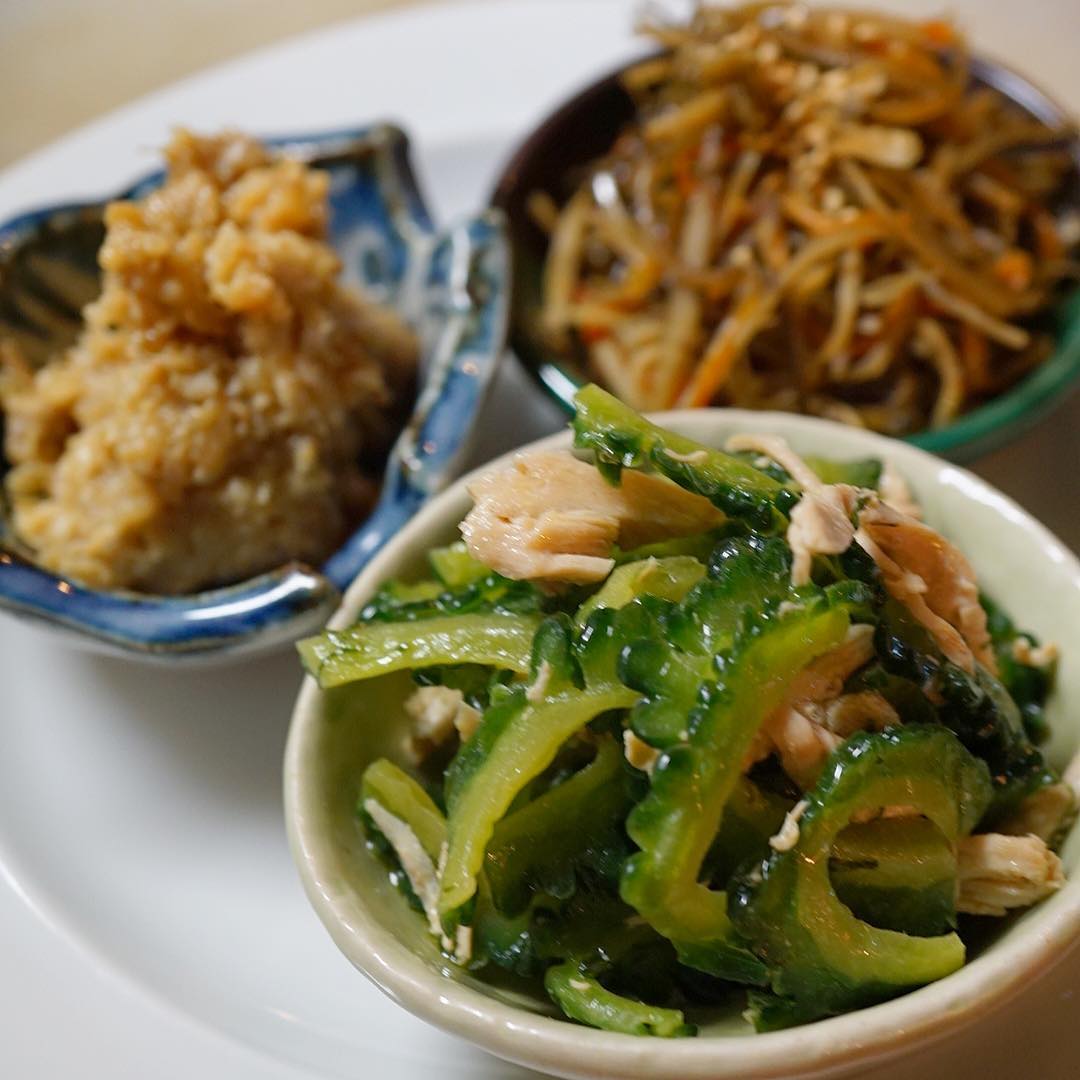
[(582, 129)]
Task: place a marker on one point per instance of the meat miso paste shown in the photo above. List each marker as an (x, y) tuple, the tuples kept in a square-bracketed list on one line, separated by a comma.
[(209, 422)]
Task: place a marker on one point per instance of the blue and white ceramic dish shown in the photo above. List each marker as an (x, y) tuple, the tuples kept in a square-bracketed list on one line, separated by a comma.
[(451, 286)]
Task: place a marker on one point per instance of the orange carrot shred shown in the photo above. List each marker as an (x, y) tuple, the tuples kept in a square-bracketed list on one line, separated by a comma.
[(1014, 269)]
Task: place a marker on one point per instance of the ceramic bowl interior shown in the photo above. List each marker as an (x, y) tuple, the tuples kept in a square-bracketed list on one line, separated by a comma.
[(335, 734), (554, 157), (451, 286)]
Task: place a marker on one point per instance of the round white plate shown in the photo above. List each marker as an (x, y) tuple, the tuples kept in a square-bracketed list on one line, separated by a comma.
[(151, 921)]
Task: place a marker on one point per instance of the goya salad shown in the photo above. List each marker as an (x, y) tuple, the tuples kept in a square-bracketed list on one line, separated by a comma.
[(691, 723)]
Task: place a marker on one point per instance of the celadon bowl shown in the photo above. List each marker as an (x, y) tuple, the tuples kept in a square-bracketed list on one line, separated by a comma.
[(335, 734)]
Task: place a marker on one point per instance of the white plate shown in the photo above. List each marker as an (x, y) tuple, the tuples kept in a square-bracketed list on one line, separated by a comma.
[(151, 922)]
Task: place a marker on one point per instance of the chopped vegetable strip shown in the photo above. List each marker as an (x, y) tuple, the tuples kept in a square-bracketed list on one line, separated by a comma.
[(582, 998), (817, 951), (676, 823), (367, 650), (527, 728)]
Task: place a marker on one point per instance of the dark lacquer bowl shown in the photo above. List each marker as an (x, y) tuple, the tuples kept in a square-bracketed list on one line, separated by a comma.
[(553, 157)]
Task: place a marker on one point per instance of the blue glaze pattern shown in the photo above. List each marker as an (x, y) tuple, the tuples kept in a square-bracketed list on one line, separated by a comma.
[(453, 287)]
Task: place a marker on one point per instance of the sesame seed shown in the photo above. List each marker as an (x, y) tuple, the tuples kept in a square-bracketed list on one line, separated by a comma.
[(832, 200), (768, 52), (741, 255)]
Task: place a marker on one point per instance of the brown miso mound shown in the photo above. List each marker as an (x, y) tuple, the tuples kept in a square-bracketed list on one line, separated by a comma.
[(209, 421)]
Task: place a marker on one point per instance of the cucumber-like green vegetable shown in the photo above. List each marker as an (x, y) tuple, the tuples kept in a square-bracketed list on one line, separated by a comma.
[(396, 791), (697, 546), (403, 595), (676, 823), (408, 827), (897, 873), (637, 888), (975, 707), (455, 567), (863, 473), (620, 438), (751, 817), (818, 953), (770, 1012), (511, 942), (1029, 685), (583, 998), (670, 579), (369, 649), (573, 681), (746, 574), (550, 930), (398, 602), (576, 823)]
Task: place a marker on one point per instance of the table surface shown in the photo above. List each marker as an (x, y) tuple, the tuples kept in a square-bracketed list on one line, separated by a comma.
[(103, 53)]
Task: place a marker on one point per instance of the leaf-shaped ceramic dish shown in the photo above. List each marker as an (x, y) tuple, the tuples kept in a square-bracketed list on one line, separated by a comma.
[(335, 734), (451, 286)]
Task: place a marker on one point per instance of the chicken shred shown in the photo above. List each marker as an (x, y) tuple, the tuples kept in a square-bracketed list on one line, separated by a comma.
[(414, 860), (799, 730), (776, 449), (550, 517), (788, 836), (437, 712), (998, 872), (801, 743), (1034, 655), (920, 568), (1043, 813), (821, 524), (932, 579), (857, 712), (896, 493), (823, 679)]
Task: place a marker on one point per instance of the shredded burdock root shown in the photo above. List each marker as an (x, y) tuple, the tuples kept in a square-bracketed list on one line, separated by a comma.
[(212, 420), (812, 210)]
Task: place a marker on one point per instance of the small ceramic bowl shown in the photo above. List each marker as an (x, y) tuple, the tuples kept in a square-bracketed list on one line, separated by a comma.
[(451, 286), (551, 159), (336, 734)]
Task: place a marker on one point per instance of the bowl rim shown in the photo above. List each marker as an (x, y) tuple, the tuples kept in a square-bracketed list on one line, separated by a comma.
[(265, 610), (839, 1043), (988, 426)]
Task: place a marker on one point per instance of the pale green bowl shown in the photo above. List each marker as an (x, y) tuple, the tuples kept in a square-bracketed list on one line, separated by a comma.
[(336, 734)]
